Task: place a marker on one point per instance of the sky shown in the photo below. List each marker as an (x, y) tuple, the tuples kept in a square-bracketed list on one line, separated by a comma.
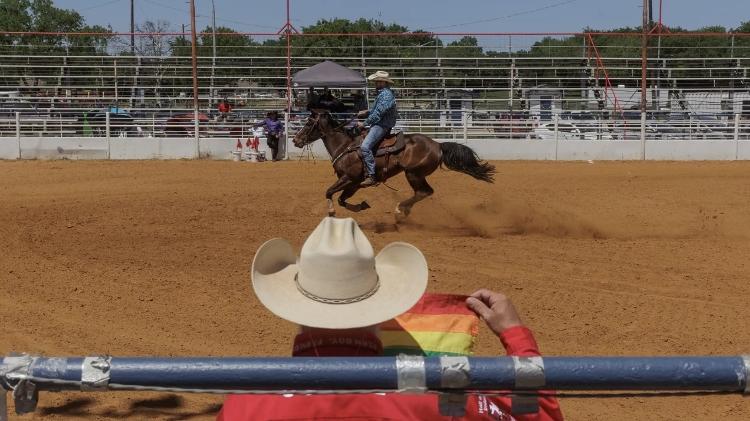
[(433, 15)]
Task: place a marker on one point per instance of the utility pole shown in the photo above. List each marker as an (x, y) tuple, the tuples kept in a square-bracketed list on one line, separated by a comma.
[(650, 12), (194, 52), (212, 91), (644, 53), (213, 27), (287, 30), (132, 27)]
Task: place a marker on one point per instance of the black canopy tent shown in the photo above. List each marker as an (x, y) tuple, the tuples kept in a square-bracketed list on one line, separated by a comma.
[(332, 75), (328, 75)]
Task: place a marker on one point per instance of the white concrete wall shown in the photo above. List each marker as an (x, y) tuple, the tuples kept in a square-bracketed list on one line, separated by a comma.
[(513, 149), (743, 150), (8, 148), (691, 150), (598, 150), (178, 148), (152, 148), (219, 148), (64, 148)]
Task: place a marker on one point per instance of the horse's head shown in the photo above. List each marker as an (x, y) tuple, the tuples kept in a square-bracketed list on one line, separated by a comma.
[(313, 129)]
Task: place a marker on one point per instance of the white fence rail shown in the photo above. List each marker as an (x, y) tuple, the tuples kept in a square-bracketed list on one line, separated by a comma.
[(458, 125), (503, 89)]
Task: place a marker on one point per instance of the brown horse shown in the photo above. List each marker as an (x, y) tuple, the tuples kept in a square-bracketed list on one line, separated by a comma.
[(420, 157)]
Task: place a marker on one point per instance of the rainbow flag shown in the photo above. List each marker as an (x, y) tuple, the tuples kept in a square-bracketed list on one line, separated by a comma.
[(439, 324)]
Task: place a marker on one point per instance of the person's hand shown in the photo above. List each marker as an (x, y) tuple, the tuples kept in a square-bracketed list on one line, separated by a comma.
[(360, 125), (495, 309), (362, 113)]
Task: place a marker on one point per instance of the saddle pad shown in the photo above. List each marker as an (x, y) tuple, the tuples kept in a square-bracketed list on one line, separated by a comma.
[(388, 141), (439, 324)]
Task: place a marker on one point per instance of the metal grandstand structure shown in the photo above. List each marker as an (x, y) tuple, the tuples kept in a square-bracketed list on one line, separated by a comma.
[(564, 86)]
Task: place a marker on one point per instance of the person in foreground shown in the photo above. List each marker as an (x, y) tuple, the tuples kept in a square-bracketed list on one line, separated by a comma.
[(338, 292)]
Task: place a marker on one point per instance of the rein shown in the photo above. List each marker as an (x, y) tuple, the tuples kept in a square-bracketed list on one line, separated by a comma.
[(347, 148), (345, 123)]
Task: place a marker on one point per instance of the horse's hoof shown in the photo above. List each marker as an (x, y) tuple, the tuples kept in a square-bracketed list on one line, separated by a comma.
[(364, 205)]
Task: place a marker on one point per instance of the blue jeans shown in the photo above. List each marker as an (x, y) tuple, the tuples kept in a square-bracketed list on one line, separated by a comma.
[(369, 145)]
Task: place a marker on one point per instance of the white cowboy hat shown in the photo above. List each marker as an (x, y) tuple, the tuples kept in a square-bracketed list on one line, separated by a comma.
[(380, 75), (338, 282)]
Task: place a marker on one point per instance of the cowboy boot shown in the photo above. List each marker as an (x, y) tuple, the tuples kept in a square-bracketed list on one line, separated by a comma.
[(370, 181)]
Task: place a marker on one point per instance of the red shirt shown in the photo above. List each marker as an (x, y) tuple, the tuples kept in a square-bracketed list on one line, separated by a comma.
[(518, 341), (224, 107)]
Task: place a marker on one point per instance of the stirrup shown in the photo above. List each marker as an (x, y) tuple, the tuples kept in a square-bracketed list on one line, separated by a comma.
[(370, 181)]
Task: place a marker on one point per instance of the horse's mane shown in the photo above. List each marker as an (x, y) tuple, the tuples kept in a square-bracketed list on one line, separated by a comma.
[(352, 132), (332, 118)]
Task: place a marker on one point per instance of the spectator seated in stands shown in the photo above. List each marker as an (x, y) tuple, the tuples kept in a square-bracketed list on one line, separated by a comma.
[(224, 109), (339, 291)]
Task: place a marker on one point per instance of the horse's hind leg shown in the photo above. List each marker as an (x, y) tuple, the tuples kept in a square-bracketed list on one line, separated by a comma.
[(349, 192), (422, 190)]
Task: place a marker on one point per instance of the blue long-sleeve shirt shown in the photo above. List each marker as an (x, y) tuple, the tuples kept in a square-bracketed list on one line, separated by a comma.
[(272, 127), (384, 112)]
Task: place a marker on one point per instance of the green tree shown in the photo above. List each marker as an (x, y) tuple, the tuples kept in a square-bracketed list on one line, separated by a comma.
[(228, 43), (37, 16), (351, 46)]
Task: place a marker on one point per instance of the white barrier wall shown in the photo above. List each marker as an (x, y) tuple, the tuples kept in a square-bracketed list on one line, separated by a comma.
[(219, 148), (594, 150), (153, 148), (8, 148), (223, 148), (64, 148), (743, 150), (514, 149), (685, 150)]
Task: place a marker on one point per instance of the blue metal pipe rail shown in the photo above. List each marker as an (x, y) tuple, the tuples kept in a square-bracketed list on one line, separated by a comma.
[(25, 375), (383, 373)]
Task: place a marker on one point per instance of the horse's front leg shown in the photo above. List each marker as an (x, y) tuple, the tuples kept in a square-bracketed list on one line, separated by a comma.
[(349, 192), (339, 185)]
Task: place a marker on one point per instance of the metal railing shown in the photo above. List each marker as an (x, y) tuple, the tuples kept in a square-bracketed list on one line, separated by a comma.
[(495, 90), (455, 125), (25, 376)]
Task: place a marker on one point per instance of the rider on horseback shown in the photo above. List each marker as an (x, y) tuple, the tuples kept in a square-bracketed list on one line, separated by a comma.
[(381, 120)]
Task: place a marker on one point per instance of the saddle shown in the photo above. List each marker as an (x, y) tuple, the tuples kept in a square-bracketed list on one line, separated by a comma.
[(391, 144)]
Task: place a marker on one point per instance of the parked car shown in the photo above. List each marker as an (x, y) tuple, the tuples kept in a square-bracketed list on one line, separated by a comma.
[(183, 125), (515, 124), (94, 123), (570, 131)]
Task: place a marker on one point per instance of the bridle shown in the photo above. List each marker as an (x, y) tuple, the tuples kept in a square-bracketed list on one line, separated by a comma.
[(308, 127), (316, 120)]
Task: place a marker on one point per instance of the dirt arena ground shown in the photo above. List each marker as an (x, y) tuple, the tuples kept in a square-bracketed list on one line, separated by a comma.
[(152, 258)]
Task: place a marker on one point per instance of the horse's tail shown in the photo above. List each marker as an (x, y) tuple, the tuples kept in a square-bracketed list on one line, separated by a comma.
[(461, 158)]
